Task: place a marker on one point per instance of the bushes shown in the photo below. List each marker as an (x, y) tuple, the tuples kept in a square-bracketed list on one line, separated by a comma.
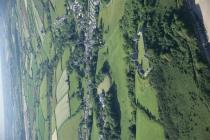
[(112, 128), (106, 1)]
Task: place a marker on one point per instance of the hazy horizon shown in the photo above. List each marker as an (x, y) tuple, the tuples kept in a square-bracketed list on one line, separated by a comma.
[(2, 41), (1, 107)]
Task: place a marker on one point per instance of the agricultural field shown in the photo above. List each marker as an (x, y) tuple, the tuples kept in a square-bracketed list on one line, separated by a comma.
[(146, 95), (110, 16), (142, 59), (70, 128), (104, 85), (73, 82), (54, 136), (74, 105), (58, 71), (62, 111), (95, 131), (59, 7), (148, 129), (62, 87)]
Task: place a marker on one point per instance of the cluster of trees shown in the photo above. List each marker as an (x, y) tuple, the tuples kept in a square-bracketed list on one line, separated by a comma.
[(130, 24), (112, 129), (77, 58), (170, 41), (109, 115), (103, 72), (106, 1)]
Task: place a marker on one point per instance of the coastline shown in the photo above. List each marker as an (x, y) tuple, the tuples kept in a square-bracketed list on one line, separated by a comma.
[(205, 10)]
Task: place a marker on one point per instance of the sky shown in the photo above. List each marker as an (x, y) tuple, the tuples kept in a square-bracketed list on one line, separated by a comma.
[(1, 107), (2, 43)]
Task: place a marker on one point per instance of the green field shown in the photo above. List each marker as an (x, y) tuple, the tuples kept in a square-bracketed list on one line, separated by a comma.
[(47, 45), (95, 131), (65, 57), (141, 53), (58, 71), (74, 104), (104, 85), (62, 86), (69, 129), (146, 95), (148, 129), (73, 82), (111, 15), (59, 7), (38, 21), (40, 123), (53, 123), (102, 57)]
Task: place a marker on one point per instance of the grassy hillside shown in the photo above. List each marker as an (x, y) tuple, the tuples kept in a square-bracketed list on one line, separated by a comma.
[(110, 15), (180, 75)]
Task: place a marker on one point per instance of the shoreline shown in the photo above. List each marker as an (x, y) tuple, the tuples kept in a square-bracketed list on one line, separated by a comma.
[(205, 13)]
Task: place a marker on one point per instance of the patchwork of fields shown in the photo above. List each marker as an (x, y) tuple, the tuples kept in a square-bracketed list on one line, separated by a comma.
[(101, 70), (48, 101), (57, 105)]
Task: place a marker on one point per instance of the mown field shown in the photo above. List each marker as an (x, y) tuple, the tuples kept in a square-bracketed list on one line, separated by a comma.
[(148, 129), (110, 16)]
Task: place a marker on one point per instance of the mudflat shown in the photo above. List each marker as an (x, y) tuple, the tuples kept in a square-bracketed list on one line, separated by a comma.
[(205, 9)]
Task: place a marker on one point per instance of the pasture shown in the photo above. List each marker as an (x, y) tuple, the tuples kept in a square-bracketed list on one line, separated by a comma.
[(38, 21), (60, 9), (65, 57), (62, 87), (62, 111), (148, 129), (146, 95), (111, 14), (58, 71), (104, 85), (73, 82), (95, 131), (55, 136), (74, 104), (47, 45), (141, 53), (70, 128)]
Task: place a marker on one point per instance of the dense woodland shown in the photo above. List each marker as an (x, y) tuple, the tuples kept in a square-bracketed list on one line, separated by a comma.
[(181, 74)]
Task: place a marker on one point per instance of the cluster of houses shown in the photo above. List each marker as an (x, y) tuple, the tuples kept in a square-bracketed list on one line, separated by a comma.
[(86, 21), (59, 21), (90, 26), (77, 9)]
